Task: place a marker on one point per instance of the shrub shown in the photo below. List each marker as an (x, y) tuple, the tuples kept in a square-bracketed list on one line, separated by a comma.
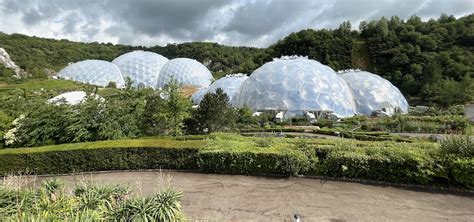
[(459, 146), (462, 172), (50, 202), (400, 162)]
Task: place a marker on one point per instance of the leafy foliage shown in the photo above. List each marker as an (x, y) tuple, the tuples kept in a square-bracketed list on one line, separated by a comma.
[(215, 112), (89, 202), (166, 111), (434, 56)]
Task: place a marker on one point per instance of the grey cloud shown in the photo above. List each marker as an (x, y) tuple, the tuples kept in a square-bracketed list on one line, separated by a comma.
[(180, 19), (235, 22)]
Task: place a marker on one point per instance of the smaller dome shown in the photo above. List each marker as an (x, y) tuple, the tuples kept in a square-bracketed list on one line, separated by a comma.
[(71, 98), (95, 72), (188, 72), (230, 84), (373, 93), (141, 67)]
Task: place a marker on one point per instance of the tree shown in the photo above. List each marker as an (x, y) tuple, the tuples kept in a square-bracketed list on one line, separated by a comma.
[(165, 111), (215, 112)]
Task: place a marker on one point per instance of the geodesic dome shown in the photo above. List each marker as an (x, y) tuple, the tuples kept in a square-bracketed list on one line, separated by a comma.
[(374, 93), (95, 72), (295, 85), (188, 72), (72, 98), (230, 84), (141, 67)]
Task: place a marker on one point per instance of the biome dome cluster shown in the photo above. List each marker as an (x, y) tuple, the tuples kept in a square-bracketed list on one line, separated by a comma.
[(145, 69), (290, 85)]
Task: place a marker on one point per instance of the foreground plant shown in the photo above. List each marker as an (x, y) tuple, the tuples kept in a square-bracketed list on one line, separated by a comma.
[(86, 202)]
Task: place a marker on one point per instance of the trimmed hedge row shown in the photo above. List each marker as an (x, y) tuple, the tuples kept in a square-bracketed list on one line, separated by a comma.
[(58, 162), (397, 166)]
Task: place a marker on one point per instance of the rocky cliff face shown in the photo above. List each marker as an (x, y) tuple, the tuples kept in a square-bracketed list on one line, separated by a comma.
[(7, 62)]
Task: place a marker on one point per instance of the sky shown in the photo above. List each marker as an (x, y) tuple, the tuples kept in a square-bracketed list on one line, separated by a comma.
[(257, 23)]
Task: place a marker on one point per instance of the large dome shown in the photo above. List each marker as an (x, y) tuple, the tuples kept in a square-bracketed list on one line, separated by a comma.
[(188, 72), (95, 72), (141, 67), (229, 84), (296, 85), (374, 93)]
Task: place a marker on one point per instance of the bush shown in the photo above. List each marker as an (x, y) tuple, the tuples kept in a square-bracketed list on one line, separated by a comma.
[(459, 146), (462, 172)]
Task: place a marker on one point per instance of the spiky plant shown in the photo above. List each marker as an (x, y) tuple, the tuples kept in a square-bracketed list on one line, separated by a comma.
[(163, 206), (93, 196)]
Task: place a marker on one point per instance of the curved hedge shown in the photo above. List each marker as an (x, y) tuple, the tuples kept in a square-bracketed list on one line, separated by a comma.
[(415, 163)]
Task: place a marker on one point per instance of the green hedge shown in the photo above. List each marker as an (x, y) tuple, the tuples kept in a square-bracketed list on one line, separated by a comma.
[(57, 162), (462, 171), (417, 163)]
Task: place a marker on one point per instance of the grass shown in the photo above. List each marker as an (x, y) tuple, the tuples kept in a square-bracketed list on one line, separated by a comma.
[(221, 142), (46, 84), (132, 143)]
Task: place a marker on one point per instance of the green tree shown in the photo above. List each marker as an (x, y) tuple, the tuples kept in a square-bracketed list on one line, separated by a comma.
[(215, 112), (166, 111)]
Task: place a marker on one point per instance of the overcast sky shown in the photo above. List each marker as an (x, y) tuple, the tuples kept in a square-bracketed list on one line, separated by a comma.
[(231, 22)]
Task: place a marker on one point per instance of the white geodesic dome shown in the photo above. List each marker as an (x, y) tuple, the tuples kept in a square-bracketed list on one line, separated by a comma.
[(295, 85), (188, 72), (72, 98), (95, 72), (230, 84), (141, 67), (374, 93)]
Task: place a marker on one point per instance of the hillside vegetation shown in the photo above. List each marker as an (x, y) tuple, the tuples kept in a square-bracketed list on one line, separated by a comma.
[(431, 62)]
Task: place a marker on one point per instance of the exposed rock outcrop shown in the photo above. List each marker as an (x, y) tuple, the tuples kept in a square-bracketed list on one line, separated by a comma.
[(7, 62)]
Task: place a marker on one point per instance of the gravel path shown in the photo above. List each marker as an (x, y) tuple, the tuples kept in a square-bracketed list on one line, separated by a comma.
[(210, 197)]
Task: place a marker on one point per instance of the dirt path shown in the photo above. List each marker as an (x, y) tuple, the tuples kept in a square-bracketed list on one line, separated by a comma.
[(245, 198)]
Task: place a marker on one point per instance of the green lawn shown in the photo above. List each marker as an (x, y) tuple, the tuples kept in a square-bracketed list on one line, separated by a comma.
[(147, 142)]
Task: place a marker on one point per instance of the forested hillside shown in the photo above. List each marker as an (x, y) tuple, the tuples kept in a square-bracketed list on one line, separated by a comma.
[(431, 62)]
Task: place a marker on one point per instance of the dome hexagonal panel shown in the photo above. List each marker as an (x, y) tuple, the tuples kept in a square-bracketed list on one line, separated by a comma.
[(188, 72), (374, 93), (295, 85), (230, 84), (142, 67), (95, 72)]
